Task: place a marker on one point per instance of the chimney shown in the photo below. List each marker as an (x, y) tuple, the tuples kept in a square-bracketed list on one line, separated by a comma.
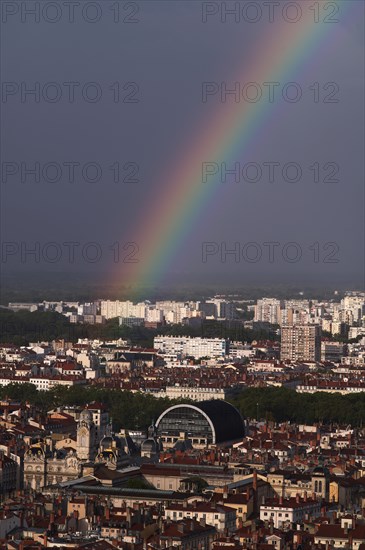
[(254, 481), (107, 512), (297, 498)]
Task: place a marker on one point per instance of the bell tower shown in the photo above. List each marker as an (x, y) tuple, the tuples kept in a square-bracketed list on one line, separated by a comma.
[(86, 436)]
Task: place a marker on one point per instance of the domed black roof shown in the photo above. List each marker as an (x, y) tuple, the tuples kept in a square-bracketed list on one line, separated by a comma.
[(227, 421), (223, 417)]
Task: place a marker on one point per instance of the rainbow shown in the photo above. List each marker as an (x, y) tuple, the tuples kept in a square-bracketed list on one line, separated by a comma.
[(165, 224)]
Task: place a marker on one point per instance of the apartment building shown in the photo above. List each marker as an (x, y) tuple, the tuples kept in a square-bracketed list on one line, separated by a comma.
[(267, 310), (301, 343), (192, 347)]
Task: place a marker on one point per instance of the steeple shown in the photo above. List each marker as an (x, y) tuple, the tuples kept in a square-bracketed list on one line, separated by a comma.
[(86, 436)]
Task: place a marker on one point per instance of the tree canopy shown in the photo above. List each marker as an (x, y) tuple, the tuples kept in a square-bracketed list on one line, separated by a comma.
[(137, 410)]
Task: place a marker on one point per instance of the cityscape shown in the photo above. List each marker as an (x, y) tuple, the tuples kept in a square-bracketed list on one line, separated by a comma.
[(182, 275), (194, 440)]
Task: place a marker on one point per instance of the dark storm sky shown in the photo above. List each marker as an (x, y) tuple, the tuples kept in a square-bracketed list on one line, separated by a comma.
[(169, 52)]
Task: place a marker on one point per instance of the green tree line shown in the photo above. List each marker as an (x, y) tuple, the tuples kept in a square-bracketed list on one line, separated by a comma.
[(137, 410), (282, 404), (127, 409)]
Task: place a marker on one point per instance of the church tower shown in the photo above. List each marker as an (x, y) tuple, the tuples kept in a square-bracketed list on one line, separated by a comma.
[(86, 444)]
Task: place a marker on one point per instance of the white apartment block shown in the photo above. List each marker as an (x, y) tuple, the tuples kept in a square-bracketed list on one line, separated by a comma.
[(223, 309), (175, 312), (193, 347), (267, 310), (354, 305), (168, 310), (291, 316), (222, 517), (295, 312), (344, 388), (289, 511), (194, 393), (296, 304), (111, 309), (154, 315), (45, 384)]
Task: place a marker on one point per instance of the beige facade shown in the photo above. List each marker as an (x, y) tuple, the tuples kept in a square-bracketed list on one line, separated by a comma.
[(301, 343)]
